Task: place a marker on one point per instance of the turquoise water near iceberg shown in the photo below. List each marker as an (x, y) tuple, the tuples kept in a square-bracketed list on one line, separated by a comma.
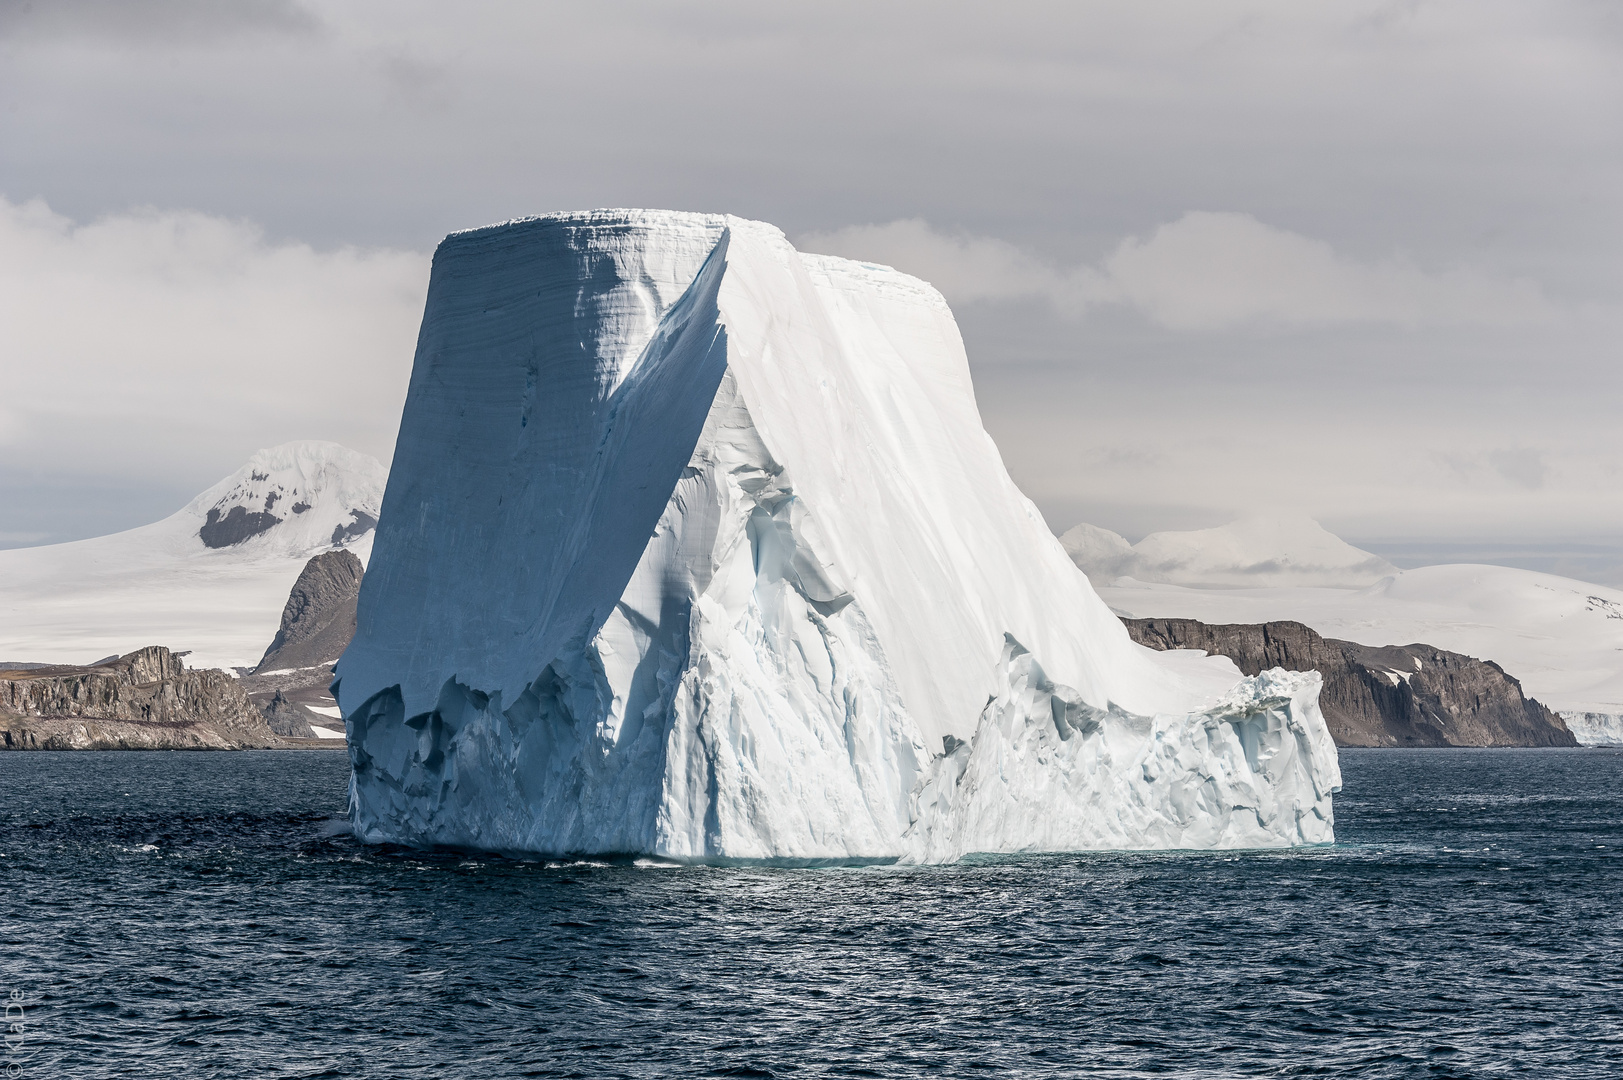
[(206, 915)]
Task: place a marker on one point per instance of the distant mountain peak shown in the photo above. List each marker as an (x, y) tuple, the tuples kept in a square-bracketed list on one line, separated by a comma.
[(1263, 551), (212, 577), (297, 497)]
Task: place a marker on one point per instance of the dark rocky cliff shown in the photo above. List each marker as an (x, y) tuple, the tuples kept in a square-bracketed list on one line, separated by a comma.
[(1401, 695), (318, 620), (146, 700), (289, 718)]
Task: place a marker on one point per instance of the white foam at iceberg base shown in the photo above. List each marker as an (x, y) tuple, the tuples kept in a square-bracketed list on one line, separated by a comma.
[(694, 548)]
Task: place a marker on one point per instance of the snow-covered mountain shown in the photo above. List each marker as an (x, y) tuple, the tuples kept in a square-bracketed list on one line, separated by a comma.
[(1252, 553), (211, 578), (694, 546)]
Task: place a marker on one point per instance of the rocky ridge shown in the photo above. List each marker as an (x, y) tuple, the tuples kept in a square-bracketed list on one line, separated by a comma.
[(144, 700), (290, 684), (290, 719), (1401, 695), (318, 620)]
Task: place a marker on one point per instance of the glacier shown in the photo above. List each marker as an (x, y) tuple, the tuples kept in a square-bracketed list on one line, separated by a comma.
[(694, 546), (1595, 728)]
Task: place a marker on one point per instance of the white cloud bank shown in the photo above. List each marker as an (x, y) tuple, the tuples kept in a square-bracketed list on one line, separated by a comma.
[(156, 350), (181, 341), (1205, 271)]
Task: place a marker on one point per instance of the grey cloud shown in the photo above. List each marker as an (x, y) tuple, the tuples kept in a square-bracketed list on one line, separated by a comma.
[(1318, 251), (159, 21), (195, 340), (1521, 466), (1204, 271), (414, 82)]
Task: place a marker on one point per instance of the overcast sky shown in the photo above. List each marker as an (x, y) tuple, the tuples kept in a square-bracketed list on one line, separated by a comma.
[(1362, 261)]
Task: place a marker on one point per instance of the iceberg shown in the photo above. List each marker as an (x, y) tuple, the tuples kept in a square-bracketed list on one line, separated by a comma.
[(694, 546)]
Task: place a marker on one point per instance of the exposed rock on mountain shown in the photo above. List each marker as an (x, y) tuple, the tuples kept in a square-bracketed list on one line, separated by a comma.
[(319, 619), (288, 718), (361, 524), (1560, 638), (1404, 695), (146, 700), (235, 527)]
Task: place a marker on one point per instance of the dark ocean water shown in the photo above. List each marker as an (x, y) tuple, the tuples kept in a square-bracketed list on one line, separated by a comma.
[(204, 915)]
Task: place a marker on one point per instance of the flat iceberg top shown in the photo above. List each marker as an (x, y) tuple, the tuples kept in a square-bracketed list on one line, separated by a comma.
[(708, 532), (648, 221), (656, 226)]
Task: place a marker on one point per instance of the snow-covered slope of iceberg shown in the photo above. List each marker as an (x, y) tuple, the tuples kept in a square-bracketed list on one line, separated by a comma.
[(210, 579), (694, 545)]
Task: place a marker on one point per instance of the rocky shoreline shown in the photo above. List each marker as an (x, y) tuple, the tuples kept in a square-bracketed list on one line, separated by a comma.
[(1402, 695), (150, 700), (144, 700)]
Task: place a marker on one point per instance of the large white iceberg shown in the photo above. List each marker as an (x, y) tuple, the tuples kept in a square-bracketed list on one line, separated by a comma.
[(694, 546)]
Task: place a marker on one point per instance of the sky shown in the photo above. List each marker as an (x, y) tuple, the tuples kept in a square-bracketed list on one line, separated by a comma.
[(1360, 261)]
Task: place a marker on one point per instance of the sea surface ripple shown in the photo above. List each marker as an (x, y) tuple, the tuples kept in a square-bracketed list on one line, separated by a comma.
[(208, 915)]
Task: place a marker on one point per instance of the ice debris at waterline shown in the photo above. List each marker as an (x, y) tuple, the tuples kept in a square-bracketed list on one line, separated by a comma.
[(694, 546)]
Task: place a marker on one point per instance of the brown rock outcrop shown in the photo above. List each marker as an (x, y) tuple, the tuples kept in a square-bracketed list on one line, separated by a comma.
[(146, 700), (318, 620), (1400, 695), (288, 718)]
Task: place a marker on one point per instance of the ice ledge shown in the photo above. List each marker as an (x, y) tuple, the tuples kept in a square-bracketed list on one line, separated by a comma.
[(1046, 772), (875, 276)]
